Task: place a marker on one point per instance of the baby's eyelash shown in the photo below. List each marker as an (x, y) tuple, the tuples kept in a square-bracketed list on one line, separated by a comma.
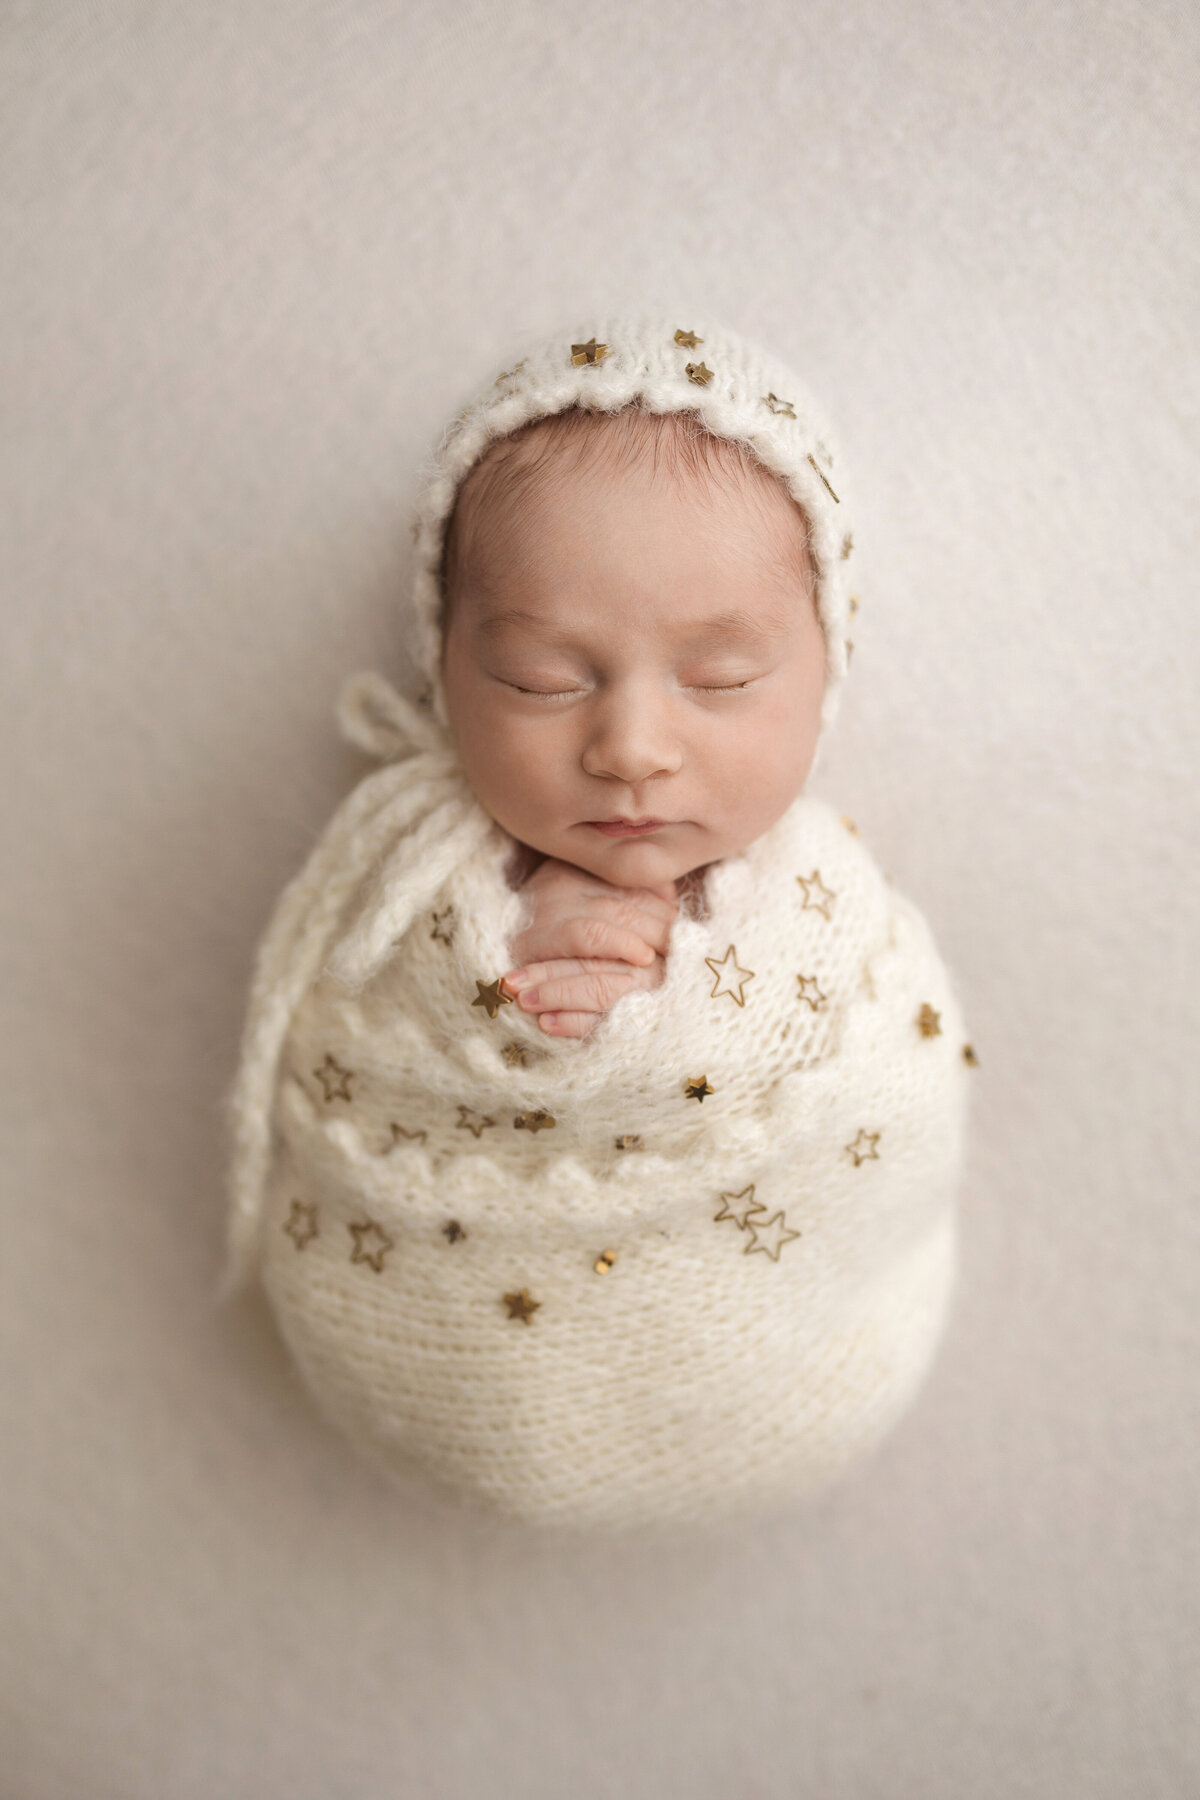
[(728, 687)]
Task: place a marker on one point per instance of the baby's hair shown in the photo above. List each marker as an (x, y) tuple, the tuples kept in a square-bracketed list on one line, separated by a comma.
[(674, 443)]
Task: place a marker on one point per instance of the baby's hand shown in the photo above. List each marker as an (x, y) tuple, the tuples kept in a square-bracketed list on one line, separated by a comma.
[(585, 944)]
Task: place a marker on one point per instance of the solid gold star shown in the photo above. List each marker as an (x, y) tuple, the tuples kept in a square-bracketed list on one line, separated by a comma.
[(688, 340), (588, 353), (470, 1120), (820, 471), (696, 1086), (813, 885), (443, 926), (301, 1226), (969, 1057), (334, 1079), (816, 999), (774, 404), (453, 1231), (628, 1140), (491, 996), (858, 1149), (409, 1137), (730, 981), (740, 1215), (928, 1022), (604, 1261), (521, 1305), (534, 1121), (371, 1244), (699, 373), (780, 1237)]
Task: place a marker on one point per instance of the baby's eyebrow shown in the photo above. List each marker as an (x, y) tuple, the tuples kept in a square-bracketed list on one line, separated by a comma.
[(737, 623)]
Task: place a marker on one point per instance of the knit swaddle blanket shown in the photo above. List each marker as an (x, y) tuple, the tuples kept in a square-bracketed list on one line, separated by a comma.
[(693, 1263)]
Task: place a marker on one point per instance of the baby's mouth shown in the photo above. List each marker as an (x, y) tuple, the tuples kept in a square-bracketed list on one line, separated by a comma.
[(627, 827)]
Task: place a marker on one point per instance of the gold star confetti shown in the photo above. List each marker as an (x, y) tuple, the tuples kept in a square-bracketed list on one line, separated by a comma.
[(535, 1121), (816, 894), (730, 981), (470, 1120), (507, 374), (443, 926), (371, 1244), (521, 1305), (820, 471), (696, 1086), (740, 1214), (855, 603), (699, 373), (334, 1079), (453, 1231), (604, 1261), (847, 545), (780, 1237), (859, 1150), (929, 1022), (491, 996), (774, 404), (588, 353), (849, 650), (399, 1135), (849, 824), (301, 1226), (816, 999), (969, 1057), (688, 340), (516, 1055), (628, 1140)]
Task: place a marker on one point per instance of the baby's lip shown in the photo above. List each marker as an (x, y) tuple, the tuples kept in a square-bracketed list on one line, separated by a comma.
[(631, 822)]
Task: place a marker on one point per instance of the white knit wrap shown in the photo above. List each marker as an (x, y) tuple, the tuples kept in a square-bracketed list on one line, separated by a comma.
[(660, 1308), (738, 391)]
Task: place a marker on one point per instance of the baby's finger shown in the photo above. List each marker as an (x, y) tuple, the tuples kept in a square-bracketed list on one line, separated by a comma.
[(594, 991), (569, 1024)]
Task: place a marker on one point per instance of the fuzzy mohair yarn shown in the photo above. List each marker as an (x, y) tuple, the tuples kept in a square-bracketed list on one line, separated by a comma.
[(693, 1265)]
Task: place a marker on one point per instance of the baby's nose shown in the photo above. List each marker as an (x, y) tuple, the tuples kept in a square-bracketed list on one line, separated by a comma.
[(631, 739)]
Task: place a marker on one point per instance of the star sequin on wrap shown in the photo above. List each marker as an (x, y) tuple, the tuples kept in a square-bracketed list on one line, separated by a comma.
[(334, 1079), (863, 1148), (696, 1087), (777, 1227), (521, 1305), (371, 1244), (730, 980), (471, 1120), (740, 1214), (816, 999), (929, 1022), (301, 1224), (491, 996)]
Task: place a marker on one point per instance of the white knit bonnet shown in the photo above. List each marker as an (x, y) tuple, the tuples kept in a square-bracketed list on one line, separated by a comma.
[(666, 365)]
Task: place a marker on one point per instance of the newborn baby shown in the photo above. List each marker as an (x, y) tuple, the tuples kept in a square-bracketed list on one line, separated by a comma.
[(601, 1104)]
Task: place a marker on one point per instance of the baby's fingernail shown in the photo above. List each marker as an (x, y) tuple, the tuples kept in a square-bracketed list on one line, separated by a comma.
[(548, 1021), (516, 981), (529, 999)]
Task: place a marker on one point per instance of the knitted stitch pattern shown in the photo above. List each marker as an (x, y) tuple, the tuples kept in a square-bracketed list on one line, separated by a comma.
[(698, 1261)]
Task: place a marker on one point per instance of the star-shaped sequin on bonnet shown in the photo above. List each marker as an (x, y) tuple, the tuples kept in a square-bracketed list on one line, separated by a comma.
[(730, 978), (688, 340), (334, 1079), (589, 353)]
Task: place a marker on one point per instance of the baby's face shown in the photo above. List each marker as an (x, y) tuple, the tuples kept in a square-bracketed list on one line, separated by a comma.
[(636, 647)]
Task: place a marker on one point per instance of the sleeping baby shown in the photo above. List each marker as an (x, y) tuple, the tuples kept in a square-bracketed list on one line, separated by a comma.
[(601, 1105)]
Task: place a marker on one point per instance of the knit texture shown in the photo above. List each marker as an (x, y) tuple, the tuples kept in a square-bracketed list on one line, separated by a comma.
[(543, 1270), (739, 392)]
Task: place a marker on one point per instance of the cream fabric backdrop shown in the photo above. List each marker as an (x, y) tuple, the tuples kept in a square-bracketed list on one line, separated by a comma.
[(254, 255)]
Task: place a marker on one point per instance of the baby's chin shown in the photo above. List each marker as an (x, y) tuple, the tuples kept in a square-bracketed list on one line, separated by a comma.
[(637, 862)]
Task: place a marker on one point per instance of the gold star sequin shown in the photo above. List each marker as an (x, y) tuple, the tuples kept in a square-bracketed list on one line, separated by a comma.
[(371, 1244), (588, 353), (535, 1121), (929, 1022), (400, 1135), (507, 374), (780, 1235), (334, 1079), (521, 1305), (774, 404), (696, 1086), (740, 1213), (855, 603), (847, 545), (699, 373), (824, 477), (443, 926), (301, 1226), (816, 894), (628, 1140), (859, 1148), (491, 996), (849, 824), (688, 340), (516, 1055), (816, 999), (453, 1231), (470, 1120), (969, 1057), (604, 1261), (730, 981)]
